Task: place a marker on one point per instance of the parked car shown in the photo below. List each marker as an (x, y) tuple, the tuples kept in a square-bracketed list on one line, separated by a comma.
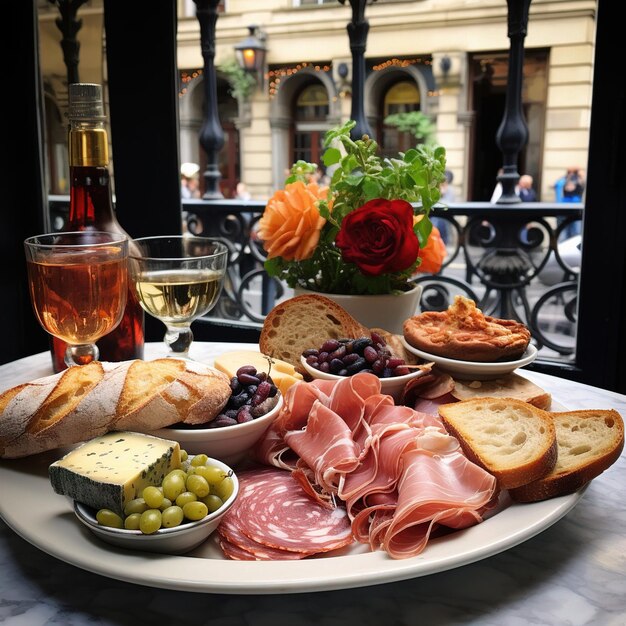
[(570, 253)]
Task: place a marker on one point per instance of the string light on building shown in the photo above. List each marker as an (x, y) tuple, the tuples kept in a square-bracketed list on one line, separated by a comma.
[(186, 76), (400, 63), (277, 74)]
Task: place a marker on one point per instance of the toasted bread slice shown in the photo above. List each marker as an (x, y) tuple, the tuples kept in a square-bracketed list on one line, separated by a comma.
[(589, 441), (509, 386), (304, 322), (512, 439)]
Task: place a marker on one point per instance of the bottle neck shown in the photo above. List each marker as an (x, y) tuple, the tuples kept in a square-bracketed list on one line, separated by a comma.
[(88, 144)]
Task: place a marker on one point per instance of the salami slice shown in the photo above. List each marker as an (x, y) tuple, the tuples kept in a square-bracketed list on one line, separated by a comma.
[(237, 546), (273, 518)]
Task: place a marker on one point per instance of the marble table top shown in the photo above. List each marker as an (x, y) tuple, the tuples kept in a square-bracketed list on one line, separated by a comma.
[(572, 573)]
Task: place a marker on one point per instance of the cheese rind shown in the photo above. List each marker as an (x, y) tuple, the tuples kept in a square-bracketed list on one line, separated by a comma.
[(282, 373), (109, 471)]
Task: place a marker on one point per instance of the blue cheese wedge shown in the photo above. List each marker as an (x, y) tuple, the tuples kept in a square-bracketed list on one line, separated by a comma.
[(109, 471)]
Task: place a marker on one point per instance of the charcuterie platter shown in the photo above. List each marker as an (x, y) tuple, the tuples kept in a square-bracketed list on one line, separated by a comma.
[(47, 521)]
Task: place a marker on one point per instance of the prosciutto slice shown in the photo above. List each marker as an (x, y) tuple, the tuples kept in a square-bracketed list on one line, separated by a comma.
[(399, 473)]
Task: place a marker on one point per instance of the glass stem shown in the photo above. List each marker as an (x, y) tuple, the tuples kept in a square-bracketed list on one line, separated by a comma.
[(178, 339)]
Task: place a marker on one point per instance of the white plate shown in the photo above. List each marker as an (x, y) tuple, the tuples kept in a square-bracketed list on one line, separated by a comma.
[(474, 370), (46, 520)]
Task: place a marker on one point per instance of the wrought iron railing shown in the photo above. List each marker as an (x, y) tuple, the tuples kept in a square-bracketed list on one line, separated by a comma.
[(510, 259)]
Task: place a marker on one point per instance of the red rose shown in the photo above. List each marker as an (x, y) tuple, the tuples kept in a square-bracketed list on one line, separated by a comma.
[(379, 238)]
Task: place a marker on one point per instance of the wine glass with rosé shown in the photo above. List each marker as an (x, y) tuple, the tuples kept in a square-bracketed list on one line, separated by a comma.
[(177, 278), (78, 284)]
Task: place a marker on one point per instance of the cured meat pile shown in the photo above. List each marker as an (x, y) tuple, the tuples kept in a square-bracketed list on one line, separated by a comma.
[(352, 464), (273, 518)]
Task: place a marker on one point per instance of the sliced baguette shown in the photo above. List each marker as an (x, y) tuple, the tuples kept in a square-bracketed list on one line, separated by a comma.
[(87, 401), (509, 386), (304, 322), (589, 441), (512, 439)]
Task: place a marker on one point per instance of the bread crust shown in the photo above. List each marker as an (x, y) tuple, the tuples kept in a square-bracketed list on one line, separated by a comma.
[(509, 386), (87, 401), (463, 333), (502, 415), (571, 474), (304, 322)]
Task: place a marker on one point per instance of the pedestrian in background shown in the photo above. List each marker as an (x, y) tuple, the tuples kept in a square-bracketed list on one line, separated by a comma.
[(189, 181), (525, 189)]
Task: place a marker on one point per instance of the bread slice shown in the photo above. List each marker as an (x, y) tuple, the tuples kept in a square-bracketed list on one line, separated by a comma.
[(512, 439), (509, 386), (87, 401), (304, 322), (589, 441)]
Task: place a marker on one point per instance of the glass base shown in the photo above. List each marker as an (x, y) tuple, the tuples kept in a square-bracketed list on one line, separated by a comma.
[(81, 354)]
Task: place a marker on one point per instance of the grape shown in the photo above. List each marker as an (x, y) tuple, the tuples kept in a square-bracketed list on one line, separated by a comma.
[(138, 505), (173, 486), (198, 485), (172, 516), (223, 489), (185, 497), (212, 502), (165, 504), (132, 521), (150, 521), (106, 517), (153, 497), (214, 475), (195, 510), (199, 459)]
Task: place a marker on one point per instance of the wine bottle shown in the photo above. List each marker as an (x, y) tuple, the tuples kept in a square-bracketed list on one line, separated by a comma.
[(91, 208)]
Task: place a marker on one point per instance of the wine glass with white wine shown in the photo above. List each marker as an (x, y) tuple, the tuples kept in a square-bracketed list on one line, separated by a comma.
[(177, 279)]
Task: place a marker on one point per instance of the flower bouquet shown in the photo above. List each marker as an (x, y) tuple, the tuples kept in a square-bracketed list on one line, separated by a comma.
[(368, 232)]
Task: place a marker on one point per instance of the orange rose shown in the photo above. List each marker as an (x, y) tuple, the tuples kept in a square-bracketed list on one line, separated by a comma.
[(433, 253), (291, 223)]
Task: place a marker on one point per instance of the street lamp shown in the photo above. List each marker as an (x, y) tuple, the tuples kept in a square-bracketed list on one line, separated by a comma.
[(251, 53)]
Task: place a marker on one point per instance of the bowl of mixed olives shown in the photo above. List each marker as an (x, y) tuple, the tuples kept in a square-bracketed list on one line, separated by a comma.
[(336, 359)]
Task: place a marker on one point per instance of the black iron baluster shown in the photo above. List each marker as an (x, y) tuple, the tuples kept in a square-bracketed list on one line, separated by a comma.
[(69, 26), (357, 33), (512, 134), (211, 133)]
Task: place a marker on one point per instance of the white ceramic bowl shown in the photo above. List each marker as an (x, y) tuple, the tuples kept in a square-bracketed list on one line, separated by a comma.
[(230, 444), (177, 540), (392, 386), (474, 370)]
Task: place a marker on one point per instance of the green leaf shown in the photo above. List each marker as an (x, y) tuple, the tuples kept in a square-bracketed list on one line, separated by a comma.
[(331, 156), (371, 189)]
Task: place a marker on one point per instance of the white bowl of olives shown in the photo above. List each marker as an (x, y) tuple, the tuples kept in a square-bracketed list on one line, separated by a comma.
[(225, 438), (337, 359), (176, 524)]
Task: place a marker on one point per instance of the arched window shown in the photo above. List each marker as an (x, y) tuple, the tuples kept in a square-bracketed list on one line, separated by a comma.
[(403, 96), (311, 108)]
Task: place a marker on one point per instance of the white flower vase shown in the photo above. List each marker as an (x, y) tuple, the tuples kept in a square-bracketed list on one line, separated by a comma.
[(387, 311)]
